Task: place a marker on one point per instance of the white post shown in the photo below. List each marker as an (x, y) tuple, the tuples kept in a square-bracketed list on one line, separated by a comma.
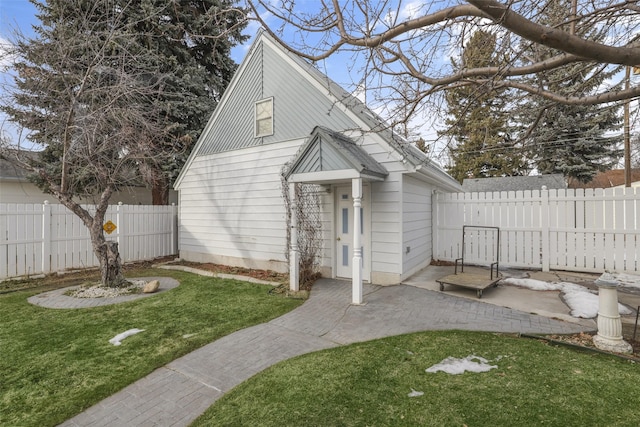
[(356, 281), (46, 237), (544, 217), (174, 229), (294, 256), (435, 224)]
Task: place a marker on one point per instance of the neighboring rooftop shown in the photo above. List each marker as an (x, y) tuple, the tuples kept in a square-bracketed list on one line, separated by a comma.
[(514, 183), (12, 172), (606, 179)]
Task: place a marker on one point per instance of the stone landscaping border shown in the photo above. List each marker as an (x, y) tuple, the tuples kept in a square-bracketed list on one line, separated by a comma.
[(58, 299)]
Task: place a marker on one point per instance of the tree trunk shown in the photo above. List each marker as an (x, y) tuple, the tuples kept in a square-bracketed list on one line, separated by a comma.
[(111, 268), (109, 257), (106, 251), (160, 193)]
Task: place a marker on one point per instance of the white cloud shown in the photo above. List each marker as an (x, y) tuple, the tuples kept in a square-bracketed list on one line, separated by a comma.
[(6, 57), (411, 10)]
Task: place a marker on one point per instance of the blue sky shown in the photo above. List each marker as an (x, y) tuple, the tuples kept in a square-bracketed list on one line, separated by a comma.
[(20, 14), (15, 14)]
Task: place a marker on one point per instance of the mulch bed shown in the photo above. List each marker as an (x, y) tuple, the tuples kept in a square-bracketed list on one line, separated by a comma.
[(268, 275), (585, 340)]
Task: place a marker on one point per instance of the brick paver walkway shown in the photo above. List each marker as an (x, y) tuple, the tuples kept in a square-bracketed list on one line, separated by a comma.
[(178, 393)]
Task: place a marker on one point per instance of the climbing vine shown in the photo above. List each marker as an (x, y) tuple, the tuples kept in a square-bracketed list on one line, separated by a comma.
[(308, 212)]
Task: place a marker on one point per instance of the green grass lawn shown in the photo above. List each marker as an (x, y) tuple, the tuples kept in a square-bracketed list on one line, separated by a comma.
[(368, 385), (56, 363)]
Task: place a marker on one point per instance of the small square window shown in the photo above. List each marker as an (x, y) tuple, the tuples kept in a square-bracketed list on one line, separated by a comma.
[(264, 117)]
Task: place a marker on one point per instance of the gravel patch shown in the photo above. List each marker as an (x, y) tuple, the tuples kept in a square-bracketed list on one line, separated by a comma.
[(99, 291)]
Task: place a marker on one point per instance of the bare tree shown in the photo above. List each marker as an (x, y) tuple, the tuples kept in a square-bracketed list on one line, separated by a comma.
[(401, 40), (84, 93), (115, 92)]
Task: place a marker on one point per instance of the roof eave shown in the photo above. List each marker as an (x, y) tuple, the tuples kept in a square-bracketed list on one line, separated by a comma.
[(441, 178)]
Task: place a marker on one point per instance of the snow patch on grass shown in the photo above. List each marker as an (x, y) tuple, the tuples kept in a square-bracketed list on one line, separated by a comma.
[(118, 338), (454, 366)]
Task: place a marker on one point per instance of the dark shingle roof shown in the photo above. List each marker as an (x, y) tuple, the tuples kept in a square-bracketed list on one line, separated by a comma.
[(514, 183)]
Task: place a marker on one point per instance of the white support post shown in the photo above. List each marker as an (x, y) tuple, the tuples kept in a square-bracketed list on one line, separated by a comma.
[(174, 228), (356, 190), (46, 237), (435, 223), (294, 256), (544, 216)]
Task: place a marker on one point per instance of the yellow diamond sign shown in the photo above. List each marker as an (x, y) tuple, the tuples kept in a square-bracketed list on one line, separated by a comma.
[(109, 227)]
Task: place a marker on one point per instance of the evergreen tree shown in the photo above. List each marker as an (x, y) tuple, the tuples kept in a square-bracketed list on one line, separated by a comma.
[(478, 121), (635, 152), (192, 42), (570, 139)]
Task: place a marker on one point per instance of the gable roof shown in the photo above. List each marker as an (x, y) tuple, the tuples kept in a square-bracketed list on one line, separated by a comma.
[(376, 124), (327, 150), (514, 183), (339, 109)]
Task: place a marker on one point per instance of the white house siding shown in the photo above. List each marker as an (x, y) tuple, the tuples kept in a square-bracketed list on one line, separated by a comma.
[(299, 104), (232, 210), (386, 230), (23, 192), (26, 192), (416, 233), (386, 213)]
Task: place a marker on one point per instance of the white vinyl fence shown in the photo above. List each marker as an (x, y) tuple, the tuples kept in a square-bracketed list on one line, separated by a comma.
[(45, 238), (574, 230)]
